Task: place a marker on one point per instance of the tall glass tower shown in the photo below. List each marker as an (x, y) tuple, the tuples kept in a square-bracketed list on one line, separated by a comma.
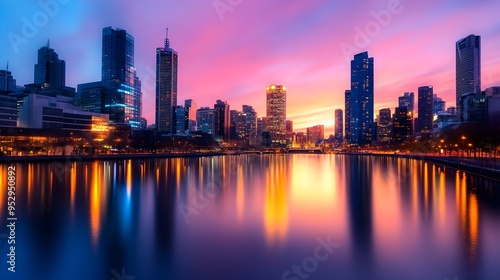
[(468, 67), (122, 88), (166, 88), (361, 100)]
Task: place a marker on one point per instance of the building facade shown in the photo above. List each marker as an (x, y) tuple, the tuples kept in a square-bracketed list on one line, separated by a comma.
[(190, 106), (221, 121), (384, 126), (468, 67), (276, 113), (89, 97), (46, 112), (166, 87), (339, 125), (7, 81), (8, 111), (425, 109), (315, 134), (205, 120), (402, 124), (361, 106), (122, 88)]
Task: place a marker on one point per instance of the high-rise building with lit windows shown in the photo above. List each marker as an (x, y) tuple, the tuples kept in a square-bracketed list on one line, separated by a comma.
[(468, 67), (361, 107), (425, 109), (339, 125), (276, 113), (166, 88), (121, 86), (384, 125), (221, 121)]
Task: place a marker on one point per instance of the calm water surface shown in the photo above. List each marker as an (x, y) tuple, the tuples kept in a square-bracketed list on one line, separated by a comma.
[(252, 217)]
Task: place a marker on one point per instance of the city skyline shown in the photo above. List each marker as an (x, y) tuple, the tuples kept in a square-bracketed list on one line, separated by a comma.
[(314, 68)]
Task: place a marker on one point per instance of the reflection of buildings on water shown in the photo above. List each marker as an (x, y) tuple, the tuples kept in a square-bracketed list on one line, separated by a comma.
[(276, 208), (468, 213), (359, 186)]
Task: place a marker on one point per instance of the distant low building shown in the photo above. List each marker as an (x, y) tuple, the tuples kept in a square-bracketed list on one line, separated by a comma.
[(46, 112), (315, 133)]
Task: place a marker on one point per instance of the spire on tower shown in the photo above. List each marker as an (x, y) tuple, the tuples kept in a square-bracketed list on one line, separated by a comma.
[(167, 41), (48, 43)]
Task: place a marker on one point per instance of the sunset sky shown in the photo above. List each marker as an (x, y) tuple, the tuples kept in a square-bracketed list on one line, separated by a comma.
[(233, 49)]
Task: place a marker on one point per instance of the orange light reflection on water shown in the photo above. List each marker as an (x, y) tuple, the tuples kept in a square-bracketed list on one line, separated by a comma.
[(276, 209)]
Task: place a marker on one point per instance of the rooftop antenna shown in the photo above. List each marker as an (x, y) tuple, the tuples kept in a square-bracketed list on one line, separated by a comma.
[(48, 43), (167, 41)]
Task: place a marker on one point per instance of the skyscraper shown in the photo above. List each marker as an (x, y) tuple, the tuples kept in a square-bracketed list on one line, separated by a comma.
[(221, 121), (122, 89), (250, 124), (425, 109), (339, 125), (468, 67), (347, 98), (50, 71), (276, 113), (166, 87), (361, 100)]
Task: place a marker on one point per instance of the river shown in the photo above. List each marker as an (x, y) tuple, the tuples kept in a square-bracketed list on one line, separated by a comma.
[(251, 217)]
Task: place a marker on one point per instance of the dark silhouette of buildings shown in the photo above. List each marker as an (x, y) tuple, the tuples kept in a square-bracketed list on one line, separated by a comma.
[(339, 125), (50, 74), (425, 109), (221, 121)]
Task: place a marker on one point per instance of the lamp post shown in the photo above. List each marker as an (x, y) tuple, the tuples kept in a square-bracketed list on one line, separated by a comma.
[(463, 145)]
